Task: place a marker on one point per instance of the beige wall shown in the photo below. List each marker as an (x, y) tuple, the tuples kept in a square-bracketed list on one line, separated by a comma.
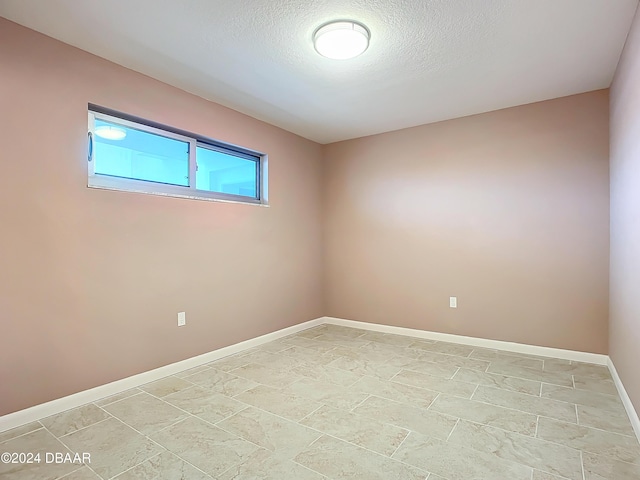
[(624, 315), (91, 280), (508, 211)]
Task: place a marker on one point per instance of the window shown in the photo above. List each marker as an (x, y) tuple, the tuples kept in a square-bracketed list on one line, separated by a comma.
[(143, 157)]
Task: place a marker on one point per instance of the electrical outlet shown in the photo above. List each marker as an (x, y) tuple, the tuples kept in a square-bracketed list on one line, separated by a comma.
[(453, 302), (182, 319)]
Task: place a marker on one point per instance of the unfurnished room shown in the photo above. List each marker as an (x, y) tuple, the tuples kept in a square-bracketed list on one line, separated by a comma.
[(319, 240)]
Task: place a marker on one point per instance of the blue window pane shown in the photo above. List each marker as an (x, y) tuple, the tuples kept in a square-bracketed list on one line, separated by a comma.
[(130, 153), (226, 173)]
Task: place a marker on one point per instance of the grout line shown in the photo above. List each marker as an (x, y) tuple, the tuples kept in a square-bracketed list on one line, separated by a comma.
[(582, 465), (369, 395), (475, 390), (71, 450), (400, 444), (433, 401), (83, 428), (451, 432), (23, 434), (577, 416), (535, 435), (307, 468), (308, 414)]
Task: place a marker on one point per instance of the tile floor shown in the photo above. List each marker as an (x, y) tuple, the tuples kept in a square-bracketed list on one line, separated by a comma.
[(339, 403)]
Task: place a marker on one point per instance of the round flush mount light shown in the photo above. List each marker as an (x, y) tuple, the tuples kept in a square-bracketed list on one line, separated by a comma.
[(110, 133), (341, 40)]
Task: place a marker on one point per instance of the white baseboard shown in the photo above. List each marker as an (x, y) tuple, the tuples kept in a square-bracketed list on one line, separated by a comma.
[(475, 342), (628, 406), (59, 405)]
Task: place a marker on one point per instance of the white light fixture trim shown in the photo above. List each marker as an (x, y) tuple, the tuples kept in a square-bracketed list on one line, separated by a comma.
[(341, 40), (110, 133)]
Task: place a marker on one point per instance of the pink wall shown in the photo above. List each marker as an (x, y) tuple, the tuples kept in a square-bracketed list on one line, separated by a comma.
[(91, 280), (624, 314), (508, 211)]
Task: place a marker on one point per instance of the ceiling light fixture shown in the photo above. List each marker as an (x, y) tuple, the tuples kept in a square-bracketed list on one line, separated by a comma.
[(341, 40), (110, 133)]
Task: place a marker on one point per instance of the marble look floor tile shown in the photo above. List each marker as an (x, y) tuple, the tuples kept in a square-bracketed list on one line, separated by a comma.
[(119, 396), (205, 403), (529, 451), (285, 404), (527, 403), (166, 386), (38, 441), (264, 375), (19, 431), (538, 475), (428, 422), (423, 366), (340, 460), (322, 347), (498, 381), (456, 462), (327, 393), (595, 384), (275, 346), (307, 355), (145, 413), (562, 379), (205, 446), (163, 466), (598, 467), (192, 371), (586, 370), (613, 445), (311, 332), (221, 382), (336, 339), (325, 373), (429, 382), (388, 339), (263, 357), (399, 392), (454, 361), (486, 414), (376, 348), (283, 437), (114, 447), (504, 358), (443, 347), (363, 367), (229, 363), (490, 353), (348, 332), (83, 473), (357, 429), (583, 397), (72, 420), (263, 465), (617, 422)]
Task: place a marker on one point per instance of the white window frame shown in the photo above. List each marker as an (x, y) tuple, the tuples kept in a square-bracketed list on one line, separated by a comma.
[(155, 188)]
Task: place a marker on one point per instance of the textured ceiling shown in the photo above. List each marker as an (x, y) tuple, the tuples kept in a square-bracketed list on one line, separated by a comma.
[(428, 60)]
